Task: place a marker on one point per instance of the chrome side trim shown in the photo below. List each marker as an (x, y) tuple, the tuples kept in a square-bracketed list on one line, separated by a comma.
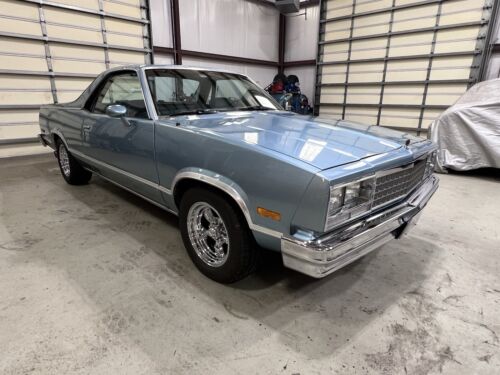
[(215, 181), (184, 175), (120, 171), (148, 97), (135, 193)]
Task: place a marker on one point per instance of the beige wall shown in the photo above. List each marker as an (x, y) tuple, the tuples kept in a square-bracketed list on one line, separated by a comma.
[(71, 41), (400, 102)]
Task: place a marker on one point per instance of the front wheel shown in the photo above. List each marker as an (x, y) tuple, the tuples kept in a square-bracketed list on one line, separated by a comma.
[(71, 170), (216, 236)]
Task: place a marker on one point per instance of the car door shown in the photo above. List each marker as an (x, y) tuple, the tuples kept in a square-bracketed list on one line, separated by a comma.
[(121, 148)]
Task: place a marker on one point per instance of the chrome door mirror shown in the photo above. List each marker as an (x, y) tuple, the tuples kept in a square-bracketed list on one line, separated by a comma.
[(116, 110)]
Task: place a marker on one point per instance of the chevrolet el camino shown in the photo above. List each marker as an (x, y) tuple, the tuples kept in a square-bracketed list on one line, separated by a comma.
[(242, 174)]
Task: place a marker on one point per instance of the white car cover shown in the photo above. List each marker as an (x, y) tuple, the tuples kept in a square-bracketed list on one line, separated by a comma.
[(468, 133)]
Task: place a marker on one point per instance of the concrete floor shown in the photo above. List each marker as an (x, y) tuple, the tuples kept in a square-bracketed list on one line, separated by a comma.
[(95, 280)]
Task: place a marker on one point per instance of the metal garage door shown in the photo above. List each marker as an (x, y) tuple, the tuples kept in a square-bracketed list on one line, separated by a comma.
[(398, 63), (51, 50)]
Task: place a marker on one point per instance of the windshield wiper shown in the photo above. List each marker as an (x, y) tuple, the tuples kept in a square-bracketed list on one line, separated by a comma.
[(194, 112), (255, 108)]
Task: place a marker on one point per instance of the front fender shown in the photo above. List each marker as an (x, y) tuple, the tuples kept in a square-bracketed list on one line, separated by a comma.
[(226, 185)]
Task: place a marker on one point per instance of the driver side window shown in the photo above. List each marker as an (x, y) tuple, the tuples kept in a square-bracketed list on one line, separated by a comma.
[(124, 89)]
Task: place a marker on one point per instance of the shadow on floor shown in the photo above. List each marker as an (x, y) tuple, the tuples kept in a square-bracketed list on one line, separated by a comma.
[(314, 317), (483, 173), (339, 305)]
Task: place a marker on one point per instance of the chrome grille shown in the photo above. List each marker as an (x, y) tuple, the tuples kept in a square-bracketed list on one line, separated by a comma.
[(398, 184)]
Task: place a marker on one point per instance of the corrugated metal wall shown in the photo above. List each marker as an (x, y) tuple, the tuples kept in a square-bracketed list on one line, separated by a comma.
[(398, 63), (301, 44), (238, 28), (493, 67), (51, 50)]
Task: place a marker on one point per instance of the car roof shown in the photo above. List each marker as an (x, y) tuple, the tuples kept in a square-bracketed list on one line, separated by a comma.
[(170, 66)]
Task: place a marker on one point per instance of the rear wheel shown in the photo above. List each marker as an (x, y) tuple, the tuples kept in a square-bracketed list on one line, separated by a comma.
[(216, 236), (71, 170)]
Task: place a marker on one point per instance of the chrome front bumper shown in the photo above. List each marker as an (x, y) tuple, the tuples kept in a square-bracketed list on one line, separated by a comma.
[(337, 249)]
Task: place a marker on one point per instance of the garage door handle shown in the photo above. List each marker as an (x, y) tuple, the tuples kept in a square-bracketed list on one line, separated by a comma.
[(87, 127)]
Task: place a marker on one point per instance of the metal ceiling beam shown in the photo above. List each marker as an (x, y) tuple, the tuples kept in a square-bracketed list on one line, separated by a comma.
[(281, 43), (236, 59), (147, 30), (488, 47), (218, 57), (291, 64), (281, 64), (176, 32), (384, 72)]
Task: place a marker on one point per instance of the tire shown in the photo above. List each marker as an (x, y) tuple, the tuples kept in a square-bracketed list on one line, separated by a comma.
[(71, 170), (231, 257)]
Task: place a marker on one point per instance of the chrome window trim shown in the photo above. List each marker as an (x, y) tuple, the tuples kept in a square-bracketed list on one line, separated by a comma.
[(146, 92), (144, 81), (187, 67), (116, 73)]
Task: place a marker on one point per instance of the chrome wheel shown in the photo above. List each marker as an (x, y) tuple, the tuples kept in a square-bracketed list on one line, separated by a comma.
[(208, 234), (64, 160)]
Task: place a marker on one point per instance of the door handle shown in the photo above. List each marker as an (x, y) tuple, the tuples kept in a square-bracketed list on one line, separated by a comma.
[(87, 127)]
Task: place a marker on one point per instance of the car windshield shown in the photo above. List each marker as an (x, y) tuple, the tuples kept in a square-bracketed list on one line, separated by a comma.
[(183, 91)]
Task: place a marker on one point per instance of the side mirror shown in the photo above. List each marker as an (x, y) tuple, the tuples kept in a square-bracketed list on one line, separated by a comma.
[(116, 110)]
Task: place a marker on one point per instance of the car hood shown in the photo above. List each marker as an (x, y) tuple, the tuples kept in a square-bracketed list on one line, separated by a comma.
[(322, 143)]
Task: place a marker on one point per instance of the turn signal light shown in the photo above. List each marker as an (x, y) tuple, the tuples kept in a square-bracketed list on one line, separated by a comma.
[(269, 214)]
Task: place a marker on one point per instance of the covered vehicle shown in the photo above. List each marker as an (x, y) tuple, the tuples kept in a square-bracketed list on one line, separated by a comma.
[(468, 133), (217, 150)]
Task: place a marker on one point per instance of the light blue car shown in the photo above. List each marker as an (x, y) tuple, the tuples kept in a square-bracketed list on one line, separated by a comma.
[(217, 150)]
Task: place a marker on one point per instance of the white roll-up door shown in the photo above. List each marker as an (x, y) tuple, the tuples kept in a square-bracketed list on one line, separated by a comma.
[(398, 63), (51, 50)]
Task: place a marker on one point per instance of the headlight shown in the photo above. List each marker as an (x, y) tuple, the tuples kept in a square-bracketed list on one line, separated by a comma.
[(349, 200)]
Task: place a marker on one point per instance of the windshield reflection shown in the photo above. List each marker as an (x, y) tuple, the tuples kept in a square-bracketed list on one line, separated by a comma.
[(178, 92)]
